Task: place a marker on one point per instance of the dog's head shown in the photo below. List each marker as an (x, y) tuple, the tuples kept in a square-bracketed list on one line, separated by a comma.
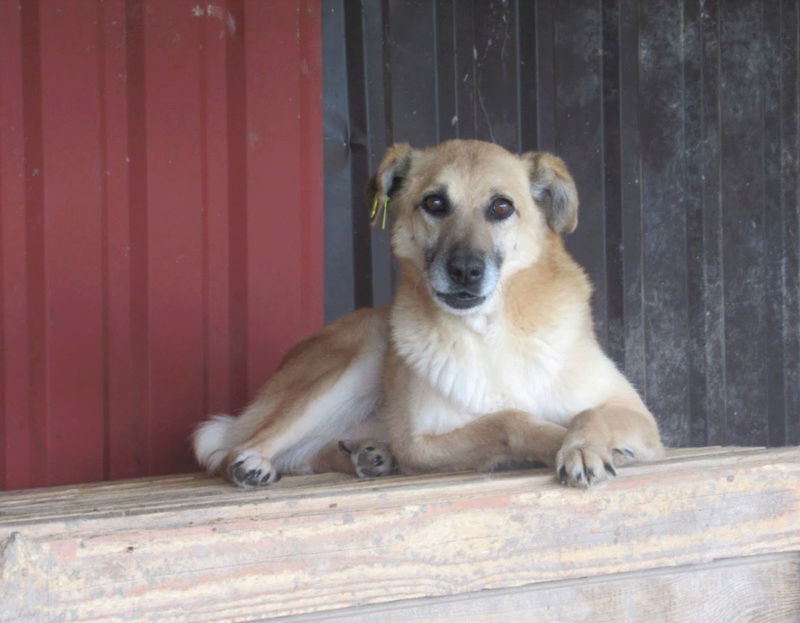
[(468, 214)]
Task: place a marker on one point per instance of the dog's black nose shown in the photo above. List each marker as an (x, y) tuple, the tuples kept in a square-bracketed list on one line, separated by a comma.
[(465, 267)]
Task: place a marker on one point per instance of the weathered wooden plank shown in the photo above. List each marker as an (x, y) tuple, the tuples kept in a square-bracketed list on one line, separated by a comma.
[(762, 588), (124, 497), (162, 548)]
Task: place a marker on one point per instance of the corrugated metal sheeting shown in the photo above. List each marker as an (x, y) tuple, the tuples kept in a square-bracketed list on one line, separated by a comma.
[(679, 121), (160, 223)]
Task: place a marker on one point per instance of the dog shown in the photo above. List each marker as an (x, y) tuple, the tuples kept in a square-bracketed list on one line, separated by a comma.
[(486, 358)]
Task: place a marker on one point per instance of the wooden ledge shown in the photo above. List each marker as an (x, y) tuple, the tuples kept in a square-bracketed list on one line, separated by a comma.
[(193, 548)]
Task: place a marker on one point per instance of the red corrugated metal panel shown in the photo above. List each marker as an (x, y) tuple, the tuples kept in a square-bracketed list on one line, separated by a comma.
[(160, 223)]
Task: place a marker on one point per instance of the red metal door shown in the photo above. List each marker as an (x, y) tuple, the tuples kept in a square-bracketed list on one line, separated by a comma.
[(160, 223)]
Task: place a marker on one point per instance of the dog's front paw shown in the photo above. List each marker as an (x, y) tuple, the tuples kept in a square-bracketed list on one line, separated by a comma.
[(250, 470), (584, 465), (371, 459)]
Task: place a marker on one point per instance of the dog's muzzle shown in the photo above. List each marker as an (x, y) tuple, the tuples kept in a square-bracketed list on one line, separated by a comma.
[(460, 280)]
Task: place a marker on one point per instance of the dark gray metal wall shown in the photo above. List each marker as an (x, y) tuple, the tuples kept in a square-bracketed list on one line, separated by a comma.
[(679, 121)]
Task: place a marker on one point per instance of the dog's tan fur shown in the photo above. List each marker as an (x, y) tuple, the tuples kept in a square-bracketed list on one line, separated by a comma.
[(517, 376)]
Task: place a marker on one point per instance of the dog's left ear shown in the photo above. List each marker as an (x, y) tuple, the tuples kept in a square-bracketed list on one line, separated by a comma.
[(554, 190), (391, 172)]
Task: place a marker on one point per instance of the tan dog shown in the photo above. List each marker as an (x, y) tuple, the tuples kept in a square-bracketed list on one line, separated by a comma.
[(487, 356)]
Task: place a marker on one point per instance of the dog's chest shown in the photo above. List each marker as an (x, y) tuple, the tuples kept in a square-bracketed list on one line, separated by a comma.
[(480, 373)]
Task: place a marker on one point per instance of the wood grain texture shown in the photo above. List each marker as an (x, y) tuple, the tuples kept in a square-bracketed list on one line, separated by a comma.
[(189, 546), (759, 588)]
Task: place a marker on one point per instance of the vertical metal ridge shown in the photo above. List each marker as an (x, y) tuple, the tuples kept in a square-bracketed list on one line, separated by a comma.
[(358, 154), (474, 86), (138, 218), (693, 140), (310, 157), (237, 205), (630, 195), (102, 122), (790, 169), (518, 63), (742, 227), (34, 242), (611, 166), (546, 129), (436, 79), (4, 419), (527, 80), (713, 236), (386, 34), (772, 221), (376, 68), (455, 85), (14, 385), (204, 205)]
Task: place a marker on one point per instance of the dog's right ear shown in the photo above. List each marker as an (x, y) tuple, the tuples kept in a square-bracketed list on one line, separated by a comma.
[(554, 190), (391, 173)]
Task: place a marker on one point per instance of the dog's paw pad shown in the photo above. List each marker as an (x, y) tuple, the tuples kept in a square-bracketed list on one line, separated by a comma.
[(251, 470), (584, 466), (372, 459)]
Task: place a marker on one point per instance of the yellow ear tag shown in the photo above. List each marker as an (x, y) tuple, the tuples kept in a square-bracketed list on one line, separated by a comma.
[(373, 213)]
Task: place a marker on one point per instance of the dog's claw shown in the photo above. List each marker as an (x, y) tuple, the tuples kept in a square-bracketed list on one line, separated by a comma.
[(584, 466), (626, 452)]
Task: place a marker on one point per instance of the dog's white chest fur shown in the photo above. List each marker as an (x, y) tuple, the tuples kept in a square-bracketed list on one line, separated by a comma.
[(466, 373)]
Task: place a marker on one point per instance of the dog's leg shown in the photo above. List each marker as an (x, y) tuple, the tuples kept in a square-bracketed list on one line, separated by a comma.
[(250, 463), (332, 459), (333, 405), (489, 440), (327, 387), (600, 439)]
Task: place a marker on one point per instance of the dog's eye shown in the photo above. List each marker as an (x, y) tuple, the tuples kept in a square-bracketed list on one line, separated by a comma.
[(434, 205), (500, 209)]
